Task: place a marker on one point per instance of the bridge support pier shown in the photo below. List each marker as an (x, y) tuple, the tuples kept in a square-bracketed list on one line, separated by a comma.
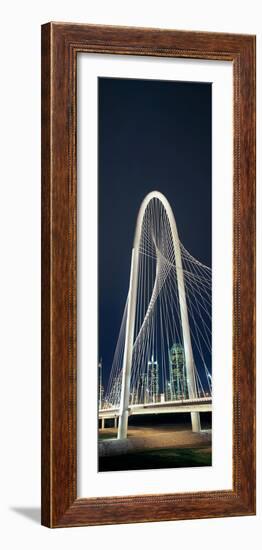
[(115, 422), (129, 340), (123, 425), (103, 423), (195, 422)]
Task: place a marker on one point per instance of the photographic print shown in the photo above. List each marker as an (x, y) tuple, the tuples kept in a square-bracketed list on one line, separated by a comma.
[(155, 276)]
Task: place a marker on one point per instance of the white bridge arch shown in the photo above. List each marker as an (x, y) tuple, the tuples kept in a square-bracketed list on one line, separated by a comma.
[(131, 311)]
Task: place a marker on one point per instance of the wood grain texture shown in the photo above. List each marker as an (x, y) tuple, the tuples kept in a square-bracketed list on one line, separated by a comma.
[(60, 44)]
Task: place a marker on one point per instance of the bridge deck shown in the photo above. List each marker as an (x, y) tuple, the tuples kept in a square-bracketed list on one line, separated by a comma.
[(182, 406)]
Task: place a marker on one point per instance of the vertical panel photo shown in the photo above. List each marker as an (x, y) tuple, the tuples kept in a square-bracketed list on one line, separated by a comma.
[(155, 277)]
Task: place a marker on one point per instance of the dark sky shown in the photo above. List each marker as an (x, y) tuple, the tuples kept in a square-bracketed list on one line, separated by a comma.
[(153, 135)]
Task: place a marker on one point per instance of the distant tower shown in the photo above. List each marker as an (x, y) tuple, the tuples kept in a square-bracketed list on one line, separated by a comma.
[(178, 383), (143, 390), (100, 385), (116, 390), (153, 380)]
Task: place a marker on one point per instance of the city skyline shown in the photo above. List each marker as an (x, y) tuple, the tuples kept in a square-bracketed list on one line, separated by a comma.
[(157, 389)]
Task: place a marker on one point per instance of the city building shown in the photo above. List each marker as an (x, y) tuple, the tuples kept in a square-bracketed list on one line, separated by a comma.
[(153, 380), (142, 394), (115, 394), (177, 385), (148, 387)]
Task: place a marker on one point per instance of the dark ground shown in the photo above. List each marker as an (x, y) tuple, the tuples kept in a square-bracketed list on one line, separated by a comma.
[(167, 456), (157, 458)]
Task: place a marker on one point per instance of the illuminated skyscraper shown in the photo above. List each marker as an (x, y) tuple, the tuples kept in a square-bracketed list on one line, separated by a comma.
[(148, 389), (153, 380), (177, 385), (143, 392), (116, 390)]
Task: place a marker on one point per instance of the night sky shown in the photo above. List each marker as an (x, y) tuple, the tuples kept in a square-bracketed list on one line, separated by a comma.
[(153, 135)]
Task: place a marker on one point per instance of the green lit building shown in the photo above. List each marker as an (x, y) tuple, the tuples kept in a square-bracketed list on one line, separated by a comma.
[(177, 386)]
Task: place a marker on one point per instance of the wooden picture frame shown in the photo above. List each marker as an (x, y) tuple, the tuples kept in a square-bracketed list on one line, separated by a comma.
[(61, 43)]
